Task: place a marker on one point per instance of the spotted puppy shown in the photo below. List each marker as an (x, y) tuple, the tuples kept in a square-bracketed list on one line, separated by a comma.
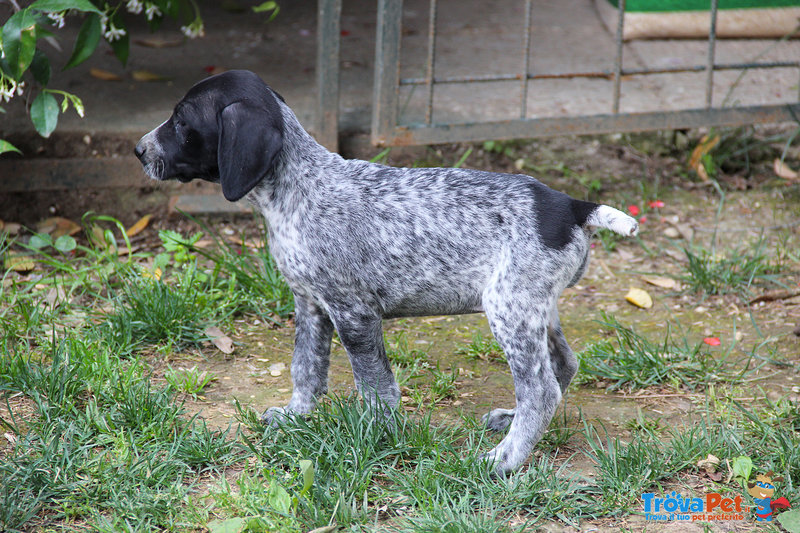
[(359, 242)]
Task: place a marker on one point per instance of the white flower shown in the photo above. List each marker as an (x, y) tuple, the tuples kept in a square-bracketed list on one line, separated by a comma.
[(134, 6), (19, 88), (113, 33), (195, 29), (152, 11), (57, 19), (8, 88)]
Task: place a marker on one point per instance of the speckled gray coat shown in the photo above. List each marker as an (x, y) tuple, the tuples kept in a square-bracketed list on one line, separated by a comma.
[(358, 242)]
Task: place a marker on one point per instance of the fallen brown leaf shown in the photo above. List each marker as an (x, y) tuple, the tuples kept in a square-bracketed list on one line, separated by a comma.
[(12, 228), (705, 145), (701, 171), (104, 75), (156, 42), (782, 170), (140, 225), (709, 464), (146, 75), (19, 263), (659, 281), (58, 226), (220, 340)]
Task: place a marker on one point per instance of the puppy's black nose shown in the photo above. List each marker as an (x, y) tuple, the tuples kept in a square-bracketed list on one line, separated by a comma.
[(139, 150)]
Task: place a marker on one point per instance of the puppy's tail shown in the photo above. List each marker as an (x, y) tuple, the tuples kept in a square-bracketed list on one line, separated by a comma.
[(603, 216)]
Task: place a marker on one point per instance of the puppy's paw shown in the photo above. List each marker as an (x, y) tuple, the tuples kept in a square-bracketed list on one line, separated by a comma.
[(497, 463), (498, 419), (274, 416)]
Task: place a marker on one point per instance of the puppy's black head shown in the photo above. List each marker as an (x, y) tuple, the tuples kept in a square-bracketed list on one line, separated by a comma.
[(227, 129)]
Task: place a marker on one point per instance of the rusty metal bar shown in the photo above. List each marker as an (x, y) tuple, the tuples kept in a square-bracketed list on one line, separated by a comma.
[(431, 62), (599, 74), (526, 62), (609, 123), (618, 58), (328, 36), (712, 44), (387, 73)]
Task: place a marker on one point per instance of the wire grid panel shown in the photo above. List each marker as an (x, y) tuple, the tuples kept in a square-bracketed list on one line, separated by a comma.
[(449, 71)]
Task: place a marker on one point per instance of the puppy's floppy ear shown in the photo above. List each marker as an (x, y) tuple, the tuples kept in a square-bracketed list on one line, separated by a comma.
[(250, 138)]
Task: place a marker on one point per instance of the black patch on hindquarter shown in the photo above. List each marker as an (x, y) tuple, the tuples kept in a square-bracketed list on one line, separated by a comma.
[(557, 215)]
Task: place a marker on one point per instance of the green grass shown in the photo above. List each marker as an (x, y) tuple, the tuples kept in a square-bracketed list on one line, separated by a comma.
[(91, 442), (633, 361), (734, 271), (482, 347), (189, 381), (99, 447), (401, 355)]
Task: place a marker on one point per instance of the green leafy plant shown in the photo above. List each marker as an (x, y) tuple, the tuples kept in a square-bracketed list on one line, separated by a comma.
[(443, 385), (26, 66)]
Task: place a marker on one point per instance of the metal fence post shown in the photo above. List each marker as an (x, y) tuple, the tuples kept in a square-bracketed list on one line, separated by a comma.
[(387, 73), (328, 34)]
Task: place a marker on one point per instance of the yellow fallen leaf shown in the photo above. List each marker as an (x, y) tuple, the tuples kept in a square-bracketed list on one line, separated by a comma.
[(659, 281), (782, 170), (705, 145), (700, 168), (139, 226), (19, 263), (146, 75), (104, 75), (155, 274), (639, 298)]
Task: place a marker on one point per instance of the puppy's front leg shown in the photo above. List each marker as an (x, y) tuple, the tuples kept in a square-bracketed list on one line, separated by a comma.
[(361, 333), (310, 360)]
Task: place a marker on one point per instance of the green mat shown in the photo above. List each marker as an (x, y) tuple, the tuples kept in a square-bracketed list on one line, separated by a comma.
[(700, 5)]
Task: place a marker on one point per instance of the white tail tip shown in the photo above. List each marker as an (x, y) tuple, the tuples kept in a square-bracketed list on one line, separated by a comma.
[(613, 219)]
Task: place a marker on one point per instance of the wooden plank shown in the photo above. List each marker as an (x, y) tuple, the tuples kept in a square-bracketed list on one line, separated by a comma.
[(25, 175)]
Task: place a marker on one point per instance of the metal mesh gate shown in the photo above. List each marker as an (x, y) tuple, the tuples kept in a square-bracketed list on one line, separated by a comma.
[(412, 109)]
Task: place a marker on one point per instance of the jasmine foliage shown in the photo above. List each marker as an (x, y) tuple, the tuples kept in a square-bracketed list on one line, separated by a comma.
[(24, 63)]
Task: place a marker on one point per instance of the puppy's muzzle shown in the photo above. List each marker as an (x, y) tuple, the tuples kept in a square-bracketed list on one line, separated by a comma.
[(147, 153)]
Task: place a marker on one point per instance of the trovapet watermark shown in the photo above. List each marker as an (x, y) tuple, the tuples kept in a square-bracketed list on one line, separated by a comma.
[(714, 507)]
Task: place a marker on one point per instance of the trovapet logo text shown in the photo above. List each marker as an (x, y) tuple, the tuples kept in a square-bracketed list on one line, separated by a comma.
[(711, 507)]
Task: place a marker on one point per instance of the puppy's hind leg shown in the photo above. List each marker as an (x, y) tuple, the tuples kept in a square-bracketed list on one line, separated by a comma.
[(565, 364), (310, 360), (521, 329)]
